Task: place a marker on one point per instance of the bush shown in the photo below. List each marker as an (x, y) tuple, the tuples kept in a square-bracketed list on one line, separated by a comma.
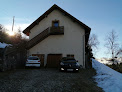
[(116, 67)]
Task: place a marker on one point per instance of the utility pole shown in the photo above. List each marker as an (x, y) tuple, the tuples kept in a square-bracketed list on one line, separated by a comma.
[(12, 39), (13, 23)]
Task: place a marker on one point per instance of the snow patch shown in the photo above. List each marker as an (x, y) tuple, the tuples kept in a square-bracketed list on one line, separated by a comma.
[(107, 78), (3, 45)]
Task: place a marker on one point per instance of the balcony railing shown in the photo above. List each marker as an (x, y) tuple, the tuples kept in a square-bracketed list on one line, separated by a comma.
[(38, 38), (57, 30), (49, 31)]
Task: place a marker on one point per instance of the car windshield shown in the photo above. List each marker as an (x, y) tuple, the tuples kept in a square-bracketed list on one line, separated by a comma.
[(33, 58), (70, 60)]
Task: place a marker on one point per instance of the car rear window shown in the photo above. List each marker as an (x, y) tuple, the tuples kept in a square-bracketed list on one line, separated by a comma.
[(33, 58)]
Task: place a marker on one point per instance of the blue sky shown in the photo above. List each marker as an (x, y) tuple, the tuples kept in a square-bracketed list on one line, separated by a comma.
[(101, 15)]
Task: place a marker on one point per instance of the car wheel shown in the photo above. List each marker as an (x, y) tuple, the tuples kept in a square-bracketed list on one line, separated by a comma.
[(65, 70), (26, 67), (60, 70), (75, 70)]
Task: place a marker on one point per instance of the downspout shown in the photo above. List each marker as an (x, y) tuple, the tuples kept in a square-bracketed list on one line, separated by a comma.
[(84, 49)]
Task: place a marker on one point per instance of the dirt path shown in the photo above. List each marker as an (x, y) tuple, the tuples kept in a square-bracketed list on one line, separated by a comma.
[(47, 80)]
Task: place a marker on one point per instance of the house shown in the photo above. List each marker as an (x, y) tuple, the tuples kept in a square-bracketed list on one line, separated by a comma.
[(57, 34)]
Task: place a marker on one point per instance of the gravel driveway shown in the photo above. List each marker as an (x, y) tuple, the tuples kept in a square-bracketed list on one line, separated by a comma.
[(47, 80)]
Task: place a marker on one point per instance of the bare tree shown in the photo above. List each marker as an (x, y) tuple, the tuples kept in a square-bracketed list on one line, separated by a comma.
[(112, 44), (1, 27), (93, 43), (119, 53)]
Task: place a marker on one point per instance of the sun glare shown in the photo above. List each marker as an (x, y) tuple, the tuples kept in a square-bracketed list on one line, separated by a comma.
[(11, 33)]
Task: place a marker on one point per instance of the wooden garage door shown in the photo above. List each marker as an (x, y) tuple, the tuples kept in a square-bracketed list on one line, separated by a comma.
[(41, 56), (53, 60)]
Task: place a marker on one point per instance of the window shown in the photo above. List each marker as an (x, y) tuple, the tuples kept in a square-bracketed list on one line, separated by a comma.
[(70, 55), (55, 23), (33, 58)]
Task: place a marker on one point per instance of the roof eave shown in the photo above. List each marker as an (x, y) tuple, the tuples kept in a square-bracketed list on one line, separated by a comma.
[(49, 11)]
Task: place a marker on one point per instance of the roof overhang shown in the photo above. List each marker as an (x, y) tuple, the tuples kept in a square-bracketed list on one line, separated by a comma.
[(87, 29)]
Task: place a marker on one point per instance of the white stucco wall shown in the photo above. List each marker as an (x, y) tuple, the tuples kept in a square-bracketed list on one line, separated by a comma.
[(69, 43)]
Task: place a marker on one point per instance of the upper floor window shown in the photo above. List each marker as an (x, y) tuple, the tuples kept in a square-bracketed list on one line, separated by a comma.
[(55, 23)]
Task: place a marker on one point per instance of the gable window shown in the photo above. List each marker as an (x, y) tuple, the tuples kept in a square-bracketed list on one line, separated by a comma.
[(55, 23)]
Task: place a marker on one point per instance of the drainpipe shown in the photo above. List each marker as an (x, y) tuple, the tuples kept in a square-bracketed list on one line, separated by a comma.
[(84, 49), (49, 30)]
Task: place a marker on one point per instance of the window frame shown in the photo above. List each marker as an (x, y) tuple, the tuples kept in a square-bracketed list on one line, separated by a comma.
[(55, 21)]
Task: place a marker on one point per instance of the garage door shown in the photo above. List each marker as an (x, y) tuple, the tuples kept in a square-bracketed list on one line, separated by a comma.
[(53, 60)]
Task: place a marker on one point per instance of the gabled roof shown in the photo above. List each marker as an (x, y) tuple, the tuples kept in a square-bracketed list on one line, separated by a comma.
[(87, 29)]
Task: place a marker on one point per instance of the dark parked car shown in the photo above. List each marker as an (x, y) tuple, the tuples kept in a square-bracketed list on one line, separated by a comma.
[(69, 64)]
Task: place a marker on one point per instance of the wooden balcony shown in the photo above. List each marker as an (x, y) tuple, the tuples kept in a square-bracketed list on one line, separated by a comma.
[(57, 30), (47, 32)]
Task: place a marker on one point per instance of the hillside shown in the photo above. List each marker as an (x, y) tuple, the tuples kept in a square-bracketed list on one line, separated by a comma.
[(107, 78)]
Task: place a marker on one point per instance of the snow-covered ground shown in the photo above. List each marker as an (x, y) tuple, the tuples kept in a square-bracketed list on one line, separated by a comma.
[(3, 45), (104, 61), (107, 78), (107, 61)]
